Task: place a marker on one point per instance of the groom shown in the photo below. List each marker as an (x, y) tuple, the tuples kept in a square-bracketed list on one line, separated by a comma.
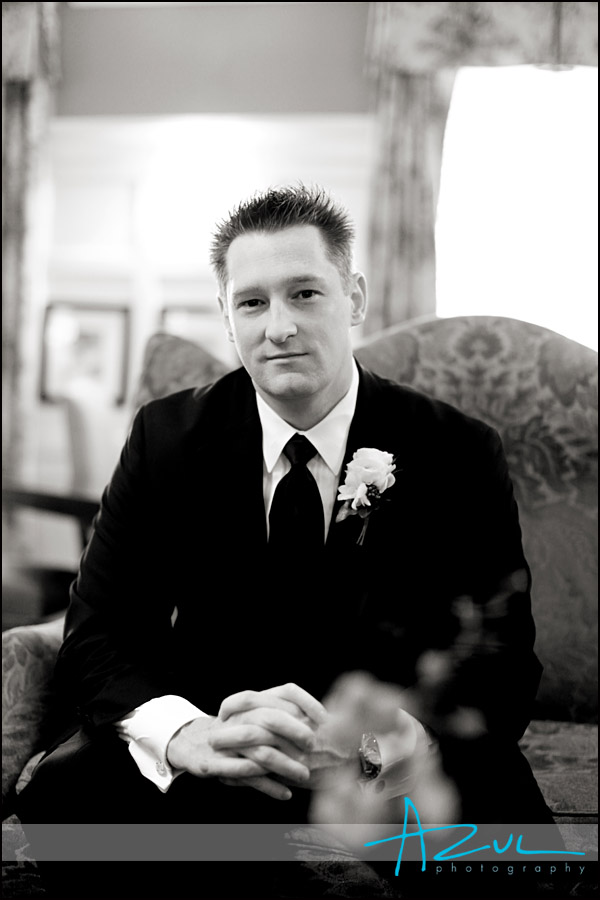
[(227, 584)]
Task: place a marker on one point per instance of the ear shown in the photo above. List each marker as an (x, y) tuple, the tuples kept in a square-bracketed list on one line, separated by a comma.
[(226, 320), (358, 298)]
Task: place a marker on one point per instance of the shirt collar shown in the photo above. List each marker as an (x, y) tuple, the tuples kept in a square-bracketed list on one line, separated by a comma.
[(329, 435)]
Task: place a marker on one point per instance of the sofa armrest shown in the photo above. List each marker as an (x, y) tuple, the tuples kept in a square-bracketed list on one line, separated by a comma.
[(28, 658), (564, 759)]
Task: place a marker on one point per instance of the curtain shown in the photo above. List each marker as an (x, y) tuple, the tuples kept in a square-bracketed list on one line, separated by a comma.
[(29, 70), (413, 52), (411, 116)]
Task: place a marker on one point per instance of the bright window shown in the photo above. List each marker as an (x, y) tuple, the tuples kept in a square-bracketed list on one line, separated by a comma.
[(517, 222)]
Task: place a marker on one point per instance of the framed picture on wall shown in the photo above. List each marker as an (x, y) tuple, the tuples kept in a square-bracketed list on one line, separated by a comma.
[(85, 349), (201, 324)]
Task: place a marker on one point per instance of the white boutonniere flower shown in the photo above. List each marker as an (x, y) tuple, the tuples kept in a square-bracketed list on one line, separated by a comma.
[(368, 475)]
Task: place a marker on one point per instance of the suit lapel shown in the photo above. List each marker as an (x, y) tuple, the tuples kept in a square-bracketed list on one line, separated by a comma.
[(232, 455), (369, 428)]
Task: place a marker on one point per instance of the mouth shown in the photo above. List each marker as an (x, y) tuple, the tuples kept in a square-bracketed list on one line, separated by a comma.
[(280, 356)]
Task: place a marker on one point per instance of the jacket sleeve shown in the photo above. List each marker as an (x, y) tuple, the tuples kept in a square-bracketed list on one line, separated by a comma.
[(498, 672), (116, 651)]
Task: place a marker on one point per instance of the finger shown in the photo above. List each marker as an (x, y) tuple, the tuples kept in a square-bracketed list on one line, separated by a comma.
[(276, 762), (244, 734), (239, 737), (284, 726), (248, 700), (292, 750), (237, 703), (264, 784), (305, 701), (279, 723), (227, 767)]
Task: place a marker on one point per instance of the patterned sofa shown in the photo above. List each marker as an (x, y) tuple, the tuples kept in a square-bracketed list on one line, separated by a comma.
[(539, 390)]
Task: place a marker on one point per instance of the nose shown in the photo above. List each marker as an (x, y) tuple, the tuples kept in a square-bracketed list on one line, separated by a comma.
[(280, 324)]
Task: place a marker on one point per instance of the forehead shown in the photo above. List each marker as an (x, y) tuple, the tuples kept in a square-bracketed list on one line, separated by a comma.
[(292, 251)]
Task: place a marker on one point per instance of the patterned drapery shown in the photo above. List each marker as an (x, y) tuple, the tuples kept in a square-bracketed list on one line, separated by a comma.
[(29, 70), (414, 50)]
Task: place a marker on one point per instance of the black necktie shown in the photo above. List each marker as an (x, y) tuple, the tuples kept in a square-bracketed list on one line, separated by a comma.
[(296, 521)]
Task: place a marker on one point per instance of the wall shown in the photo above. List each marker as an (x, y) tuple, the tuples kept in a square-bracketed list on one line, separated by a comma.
[(165, 118), (214, 58)]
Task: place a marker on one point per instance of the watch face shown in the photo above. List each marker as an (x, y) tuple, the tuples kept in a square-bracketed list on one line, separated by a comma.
[(370, 757)]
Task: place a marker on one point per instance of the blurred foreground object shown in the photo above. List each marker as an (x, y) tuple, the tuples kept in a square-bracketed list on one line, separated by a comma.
[(411, 761)]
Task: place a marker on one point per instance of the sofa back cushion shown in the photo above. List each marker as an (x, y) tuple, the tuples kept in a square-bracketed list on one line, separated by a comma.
[(172, 364)]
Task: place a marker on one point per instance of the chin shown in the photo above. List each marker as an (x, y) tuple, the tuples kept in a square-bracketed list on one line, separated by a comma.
[(291, 386)]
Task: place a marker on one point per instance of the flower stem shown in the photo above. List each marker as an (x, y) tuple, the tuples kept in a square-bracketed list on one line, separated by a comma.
[(361, 536)]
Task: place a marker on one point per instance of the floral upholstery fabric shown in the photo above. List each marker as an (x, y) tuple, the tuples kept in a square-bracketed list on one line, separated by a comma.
[(28, 656), (540, 391)]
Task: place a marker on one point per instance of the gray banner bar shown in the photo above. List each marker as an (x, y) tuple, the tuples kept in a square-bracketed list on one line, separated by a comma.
[(443, 846)]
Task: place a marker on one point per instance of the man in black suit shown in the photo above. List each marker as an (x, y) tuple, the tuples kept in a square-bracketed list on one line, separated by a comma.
[(206, 625)]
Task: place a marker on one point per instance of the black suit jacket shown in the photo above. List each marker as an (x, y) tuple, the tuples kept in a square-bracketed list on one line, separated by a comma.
[(182, 524)]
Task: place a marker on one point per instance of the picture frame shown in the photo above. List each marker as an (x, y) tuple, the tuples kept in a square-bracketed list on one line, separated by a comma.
[(85, 346), (201, 324)]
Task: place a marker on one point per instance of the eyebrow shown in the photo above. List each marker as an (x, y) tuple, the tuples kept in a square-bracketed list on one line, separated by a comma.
[(287, 282)]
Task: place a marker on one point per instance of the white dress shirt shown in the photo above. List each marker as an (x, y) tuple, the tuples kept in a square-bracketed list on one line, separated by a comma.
[(149, 728), (329, 437)]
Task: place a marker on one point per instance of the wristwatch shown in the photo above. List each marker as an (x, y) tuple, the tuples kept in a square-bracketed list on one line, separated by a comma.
[(369, 757)]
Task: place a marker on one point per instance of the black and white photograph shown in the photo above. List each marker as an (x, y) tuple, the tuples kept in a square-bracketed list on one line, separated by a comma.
[(300, 450)]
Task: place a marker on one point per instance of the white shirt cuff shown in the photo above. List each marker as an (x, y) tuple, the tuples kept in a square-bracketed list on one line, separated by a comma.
[(148, 730)]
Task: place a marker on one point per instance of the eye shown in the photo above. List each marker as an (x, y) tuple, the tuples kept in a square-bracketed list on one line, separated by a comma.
[(252, 303), (306, 294)]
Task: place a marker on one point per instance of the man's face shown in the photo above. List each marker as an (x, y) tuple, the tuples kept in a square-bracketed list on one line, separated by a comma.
[(289, 315)]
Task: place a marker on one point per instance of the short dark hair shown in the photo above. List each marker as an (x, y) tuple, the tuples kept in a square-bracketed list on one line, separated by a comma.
[(278, 208)]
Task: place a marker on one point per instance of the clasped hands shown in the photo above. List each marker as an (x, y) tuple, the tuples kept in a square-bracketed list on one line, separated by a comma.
[(269, 740)]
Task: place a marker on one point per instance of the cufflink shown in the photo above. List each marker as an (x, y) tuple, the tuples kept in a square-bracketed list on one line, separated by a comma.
[(370, 757), (161, 768)]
